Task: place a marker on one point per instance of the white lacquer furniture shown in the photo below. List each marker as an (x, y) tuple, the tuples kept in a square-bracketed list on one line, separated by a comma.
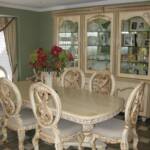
[(81, 106), (102, 82), (50, 128), (73, 78), (16, 118), (118, 131)]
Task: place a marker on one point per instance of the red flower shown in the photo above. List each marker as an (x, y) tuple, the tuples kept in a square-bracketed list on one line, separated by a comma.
[(56, 50), (41, 58)]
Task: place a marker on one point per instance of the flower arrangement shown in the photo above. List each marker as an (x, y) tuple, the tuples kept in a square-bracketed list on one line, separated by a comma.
[(54, 60)]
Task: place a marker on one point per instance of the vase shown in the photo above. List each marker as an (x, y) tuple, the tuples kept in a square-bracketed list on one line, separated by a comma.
[(47, 78)]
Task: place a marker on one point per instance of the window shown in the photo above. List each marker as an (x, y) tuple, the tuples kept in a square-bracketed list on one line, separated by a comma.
[(4, 60)]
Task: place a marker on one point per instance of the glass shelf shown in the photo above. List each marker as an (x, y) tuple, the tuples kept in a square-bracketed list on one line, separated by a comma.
[(98, 44), (135, 43)]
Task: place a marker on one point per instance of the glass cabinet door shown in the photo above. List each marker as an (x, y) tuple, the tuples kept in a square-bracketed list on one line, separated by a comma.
[(98, 42), (134, 44), (68, 36)]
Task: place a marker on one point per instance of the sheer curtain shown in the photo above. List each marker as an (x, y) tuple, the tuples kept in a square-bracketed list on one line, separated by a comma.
[(8, 25)]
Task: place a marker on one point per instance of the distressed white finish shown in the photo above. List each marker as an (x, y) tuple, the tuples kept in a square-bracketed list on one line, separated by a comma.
[(73, 78), (51, 129), (16, 119), (45, 5), (118, 131), (102, 82)]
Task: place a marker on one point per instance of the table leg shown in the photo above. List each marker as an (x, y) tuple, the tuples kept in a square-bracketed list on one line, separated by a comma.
[(89, 138)]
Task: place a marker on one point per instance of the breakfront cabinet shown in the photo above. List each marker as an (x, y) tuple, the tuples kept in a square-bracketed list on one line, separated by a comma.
[(114, 38), (134, 44)]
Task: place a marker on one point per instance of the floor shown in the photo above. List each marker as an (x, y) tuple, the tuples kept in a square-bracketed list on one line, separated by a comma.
[(143, 132)]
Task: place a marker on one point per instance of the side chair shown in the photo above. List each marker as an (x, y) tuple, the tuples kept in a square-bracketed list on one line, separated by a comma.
[(46, 105), (73, 78), (115, 131), (102, 82), (16, 118)]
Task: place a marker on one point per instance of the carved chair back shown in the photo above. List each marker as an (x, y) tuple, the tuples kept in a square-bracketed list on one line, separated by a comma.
[(46, 104), (10, 97), (3, 73), (73, 78), (102, 82), (133, 105)]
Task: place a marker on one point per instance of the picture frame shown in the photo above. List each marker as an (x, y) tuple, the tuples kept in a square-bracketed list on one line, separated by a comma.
[(137, 24), (128, 40), (133, 25)]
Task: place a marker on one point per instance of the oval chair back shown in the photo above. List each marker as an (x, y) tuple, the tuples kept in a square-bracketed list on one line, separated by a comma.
[(102, 82), (73, 78), (10, 97), (133, 105), (46, 105)]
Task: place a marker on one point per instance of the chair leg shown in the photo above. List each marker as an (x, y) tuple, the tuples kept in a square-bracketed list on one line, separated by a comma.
[(35, 140), (58, 146), (124, 145), (135, 139), (4, 130), (21, 137)]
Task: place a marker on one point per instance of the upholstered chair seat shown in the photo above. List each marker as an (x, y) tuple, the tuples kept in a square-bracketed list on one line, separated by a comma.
[(111, 128), (27, 120), (65, 127)]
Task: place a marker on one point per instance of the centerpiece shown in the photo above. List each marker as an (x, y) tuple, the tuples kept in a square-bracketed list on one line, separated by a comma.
[(50, 62)]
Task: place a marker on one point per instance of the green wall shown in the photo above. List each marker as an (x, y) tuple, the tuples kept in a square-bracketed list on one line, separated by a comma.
[(46, 30), (33, 30)]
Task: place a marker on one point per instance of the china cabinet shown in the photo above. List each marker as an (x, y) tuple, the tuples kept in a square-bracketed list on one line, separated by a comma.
[(114, 38), (98, 41), (68, 36), (134, 44)]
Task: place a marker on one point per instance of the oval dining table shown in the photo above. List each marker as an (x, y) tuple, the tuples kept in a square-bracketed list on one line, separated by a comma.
[(80, 105)]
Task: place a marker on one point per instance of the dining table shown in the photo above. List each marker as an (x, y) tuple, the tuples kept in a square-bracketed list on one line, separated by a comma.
[(80, 105)]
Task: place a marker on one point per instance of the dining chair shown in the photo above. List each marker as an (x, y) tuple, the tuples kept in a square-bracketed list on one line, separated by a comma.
[(3, 73), (46, 105), (16, 118), (102, 82), (73, 78), (114, 130)]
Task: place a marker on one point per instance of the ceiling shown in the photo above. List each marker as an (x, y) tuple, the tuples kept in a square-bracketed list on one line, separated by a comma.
[(49, 5)]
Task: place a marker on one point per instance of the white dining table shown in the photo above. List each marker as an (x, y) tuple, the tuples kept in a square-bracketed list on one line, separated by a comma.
[(80, 105)]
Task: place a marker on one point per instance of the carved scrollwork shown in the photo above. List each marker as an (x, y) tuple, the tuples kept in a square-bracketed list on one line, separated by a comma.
[(10, 96), (44, 100), (136, 102), (73, 78), (101, 83)]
